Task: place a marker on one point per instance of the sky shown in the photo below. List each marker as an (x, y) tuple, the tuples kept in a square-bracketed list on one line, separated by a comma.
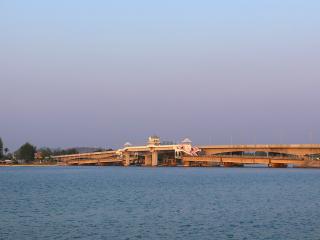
[(101, 73)]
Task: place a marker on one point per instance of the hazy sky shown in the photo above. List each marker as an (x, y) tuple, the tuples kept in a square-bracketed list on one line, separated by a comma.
[(100, 73)]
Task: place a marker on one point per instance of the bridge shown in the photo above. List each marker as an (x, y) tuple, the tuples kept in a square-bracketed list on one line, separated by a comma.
[(96, 158), (184, 154), (230, 161), (288, 149)]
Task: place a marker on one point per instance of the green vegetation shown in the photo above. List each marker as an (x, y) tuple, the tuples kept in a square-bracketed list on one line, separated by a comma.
[(64, 151), (45, 154), (102, 149), (4, 152), (26, 152), (29, 153)]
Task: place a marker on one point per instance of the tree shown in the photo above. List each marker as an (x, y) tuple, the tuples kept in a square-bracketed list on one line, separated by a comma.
[(65, 151), (99, 150), (1, 149), (45, 152), (26, 152), (7, 155)]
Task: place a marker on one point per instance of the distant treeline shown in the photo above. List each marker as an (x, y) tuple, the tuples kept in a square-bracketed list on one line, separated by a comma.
[(26, 152), (47, 152), (29, 153)]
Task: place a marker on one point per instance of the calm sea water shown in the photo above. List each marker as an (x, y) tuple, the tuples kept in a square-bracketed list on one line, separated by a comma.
[(159, 203)]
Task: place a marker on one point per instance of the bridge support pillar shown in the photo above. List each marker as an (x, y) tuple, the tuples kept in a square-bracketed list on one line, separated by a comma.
[(126, 159), (147, 160), (186, 163), (231, 164), (154, 158), (228, 164)]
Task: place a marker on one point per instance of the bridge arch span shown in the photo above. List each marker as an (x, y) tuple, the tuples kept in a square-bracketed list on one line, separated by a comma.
[(297, 150)]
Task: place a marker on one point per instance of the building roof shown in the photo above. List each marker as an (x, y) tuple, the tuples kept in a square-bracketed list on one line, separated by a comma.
[(186, 140), (127, 144)]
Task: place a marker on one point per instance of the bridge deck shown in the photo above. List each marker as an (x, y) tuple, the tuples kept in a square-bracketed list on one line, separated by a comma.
[(93, 161), (244, 160)]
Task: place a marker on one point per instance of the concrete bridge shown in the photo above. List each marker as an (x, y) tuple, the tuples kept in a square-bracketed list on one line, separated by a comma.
[(97, 158), (184, 154), (230, 161), (289, 149)]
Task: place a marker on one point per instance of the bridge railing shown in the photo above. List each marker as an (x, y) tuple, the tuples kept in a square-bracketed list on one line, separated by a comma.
[(264, 157)]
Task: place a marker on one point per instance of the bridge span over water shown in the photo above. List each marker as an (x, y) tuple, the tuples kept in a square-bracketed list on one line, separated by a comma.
[(285, 149), (184, 154)]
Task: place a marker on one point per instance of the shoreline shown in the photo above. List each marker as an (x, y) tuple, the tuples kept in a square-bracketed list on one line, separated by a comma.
[(56, 165), (29, 165)]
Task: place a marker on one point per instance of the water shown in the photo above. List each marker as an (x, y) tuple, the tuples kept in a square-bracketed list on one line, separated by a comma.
[(159, 203)]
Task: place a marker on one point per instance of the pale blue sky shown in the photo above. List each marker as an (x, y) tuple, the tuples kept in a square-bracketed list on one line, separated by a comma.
[(100, 73)]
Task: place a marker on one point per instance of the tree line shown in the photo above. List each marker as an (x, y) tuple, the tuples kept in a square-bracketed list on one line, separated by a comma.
[(29, 153)]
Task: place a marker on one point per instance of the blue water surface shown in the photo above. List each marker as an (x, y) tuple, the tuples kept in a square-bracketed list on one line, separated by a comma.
[(159, 203)]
